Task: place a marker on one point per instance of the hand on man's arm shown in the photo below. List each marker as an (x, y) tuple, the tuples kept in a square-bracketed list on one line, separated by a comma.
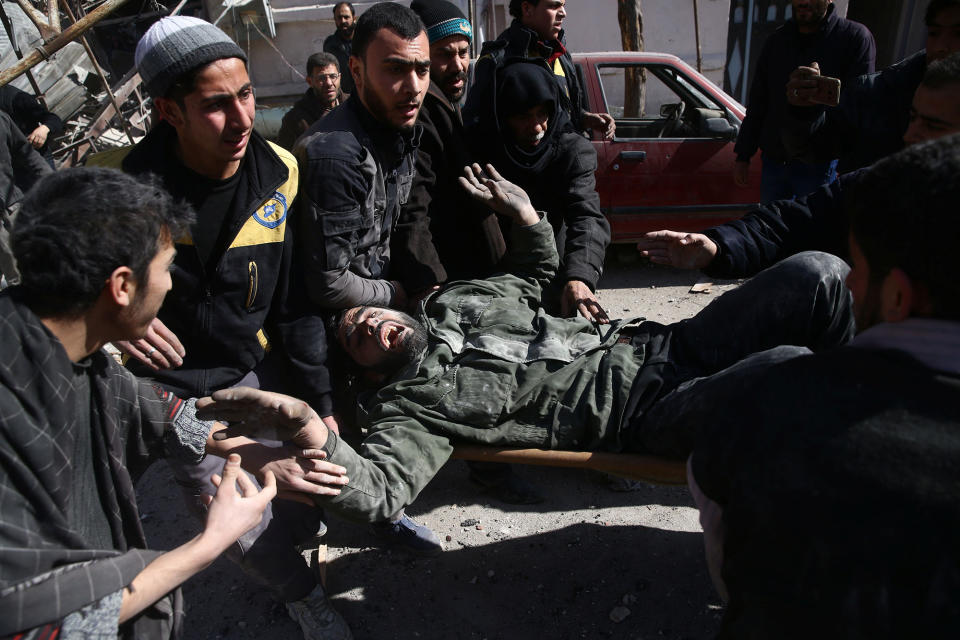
[(230, 514), (578, 298)]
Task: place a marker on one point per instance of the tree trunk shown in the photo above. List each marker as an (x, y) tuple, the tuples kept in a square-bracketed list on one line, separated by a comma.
[(630, 17)]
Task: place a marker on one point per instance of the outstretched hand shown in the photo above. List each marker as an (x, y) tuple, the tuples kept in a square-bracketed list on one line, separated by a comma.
[(678, 249), (265, 414), (504, 197), (231, 513)]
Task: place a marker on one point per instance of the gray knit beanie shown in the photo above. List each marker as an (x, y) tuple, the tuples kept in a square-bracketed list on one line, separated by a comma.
[(176, 45)]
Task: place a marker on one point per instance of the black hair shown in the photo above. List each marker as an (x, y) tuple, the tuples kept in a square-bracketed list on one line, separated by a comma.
[(935, 7), (348, 5), (384, 15), (943, 72), (516, 6), (76, 226), (903, 214), (322, 59)]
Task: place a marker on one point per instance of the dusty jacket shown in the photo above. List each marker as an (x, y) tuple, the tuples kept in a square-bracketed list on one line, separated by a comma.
[(520, 42), (357, 173), (254, 298), (844, 49), (498, 370), (47, 568), (465, 240), (869, 123)]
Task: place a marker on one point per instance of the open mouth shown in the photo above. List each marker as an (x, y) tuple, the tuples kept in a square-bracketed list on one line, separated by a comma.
[(390, 335)]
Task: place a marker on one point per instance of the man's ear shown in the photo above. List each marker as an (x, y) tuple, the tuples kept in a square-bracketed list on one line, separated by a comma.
[(356, 70), (121, 286), (897, 296), (170, 111), (525, 9)]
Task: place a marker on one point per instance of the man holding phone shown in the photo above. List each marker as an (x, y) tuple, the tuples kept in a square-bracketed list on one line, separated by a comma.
[(842, 48)]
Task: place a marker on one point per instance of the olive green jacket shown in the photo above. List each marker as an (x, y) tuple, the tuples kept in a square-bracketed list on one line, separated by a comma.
[(498, 370)]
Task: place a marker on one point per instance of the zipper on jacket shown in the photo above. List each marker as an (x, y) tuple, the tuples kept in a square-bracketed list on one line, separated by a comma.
[(253, 283)]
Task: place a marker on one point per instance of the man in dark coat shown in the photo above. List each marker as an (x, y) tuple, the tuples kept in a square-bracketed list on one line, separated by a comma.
[(843, 49), (322, 96), (537, 148), (35, 122), (339, 42)]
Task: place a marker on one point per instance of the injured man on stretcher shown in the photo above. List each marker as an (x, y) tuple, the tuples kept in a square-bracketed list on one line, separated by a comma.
[(483, 363)]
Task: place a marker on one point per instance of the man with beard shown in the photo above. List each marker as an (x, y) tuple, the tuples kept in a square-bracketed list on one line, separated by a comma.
[(483, 362), (829, 508), (843, 49), (323, 76), (358, 167), (536, 34), (338, 43), (537, 148)]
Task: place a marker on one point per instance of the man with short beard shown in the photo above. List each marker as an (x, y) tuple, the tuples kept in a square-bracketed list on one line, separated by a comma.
[(357, 167), (339, 42), (322, 96)]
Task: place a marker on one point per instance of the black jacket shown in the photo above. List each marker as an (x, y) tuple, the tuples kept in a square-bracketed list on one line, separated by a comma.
[(519, 42), (16, 156), (28, 114), (776, 230), (304, 113), (844, 49), (869, 123), (464, 239), (254, 299), (341, 49), (357, 173), (558, 175)]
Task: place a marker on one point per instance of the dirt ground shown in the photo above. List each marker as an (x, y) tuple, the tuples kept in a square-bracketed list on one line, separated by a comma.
[(589, 562)]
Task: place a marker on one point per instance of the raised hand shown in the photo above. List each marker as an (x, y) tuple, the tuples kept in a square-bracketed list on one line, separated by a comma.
[(678, 249), (501, 195), (265, 414), (231, 513), (158, 349)]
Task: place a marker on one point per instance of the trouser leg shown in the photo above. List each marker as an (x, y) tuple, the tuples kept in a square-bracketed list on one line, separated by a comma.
[(695, 365)]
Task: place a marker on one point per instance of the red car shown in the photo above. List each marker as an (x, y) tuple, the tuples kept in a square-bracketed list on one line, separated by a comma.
[(670, 165)]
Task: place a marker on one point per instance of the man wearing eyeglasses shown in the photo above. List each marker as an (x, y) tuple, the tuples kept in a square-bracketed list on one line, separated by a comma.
[(323, 94)]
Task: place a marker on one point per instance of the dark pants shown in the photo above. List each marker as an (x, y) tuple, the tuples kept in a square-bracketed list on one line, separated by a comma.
[(692, 367), (267, 553)]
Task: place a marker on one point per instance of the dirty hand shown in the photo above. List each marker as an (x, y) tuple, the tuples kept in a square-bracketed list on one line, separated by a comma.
[(802, 85), (504, 197), (265, 414), (577, 297), (231, 513), (38, 136), (300, 473), (158, 349), (678, 249)]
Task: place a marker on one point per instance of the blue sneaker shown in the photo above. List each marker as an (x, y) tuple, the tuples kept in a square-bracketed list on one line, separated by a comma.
[(409, 535)]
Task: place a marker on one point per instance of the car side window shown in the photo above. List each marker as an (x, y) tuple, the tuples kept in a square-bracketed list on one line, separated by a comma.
[(655, 101)]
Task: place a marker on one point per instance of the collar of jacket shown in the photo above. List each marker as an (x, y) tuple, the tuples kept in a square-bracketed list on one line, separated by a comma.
[(826, 25), (391, 144), (266, 168), (522, 40), (441, 97)]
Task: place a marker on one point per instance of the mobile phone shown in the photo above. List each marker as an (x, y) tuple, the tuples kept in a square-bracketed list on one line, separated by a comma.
[(826, 92)]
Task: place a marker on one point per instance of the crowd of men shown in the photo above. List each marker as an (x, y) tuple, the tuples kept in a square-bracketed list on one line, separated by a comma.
[(428, 275)]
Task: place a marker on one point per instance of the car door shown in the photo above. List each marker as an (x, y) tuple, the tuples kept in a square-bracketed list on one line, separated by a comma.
[(670, 164)]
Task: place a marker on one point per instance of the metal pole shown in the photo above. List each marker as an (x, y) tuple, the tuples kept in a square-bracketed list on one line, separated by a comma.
[(16, 49), (696, 28), (746, 53), (103, 77), (69, 35)]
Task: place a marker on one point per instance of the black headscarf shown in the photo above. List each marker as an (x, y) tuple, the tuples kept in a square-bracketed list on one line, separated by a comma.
[(521, 86)]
